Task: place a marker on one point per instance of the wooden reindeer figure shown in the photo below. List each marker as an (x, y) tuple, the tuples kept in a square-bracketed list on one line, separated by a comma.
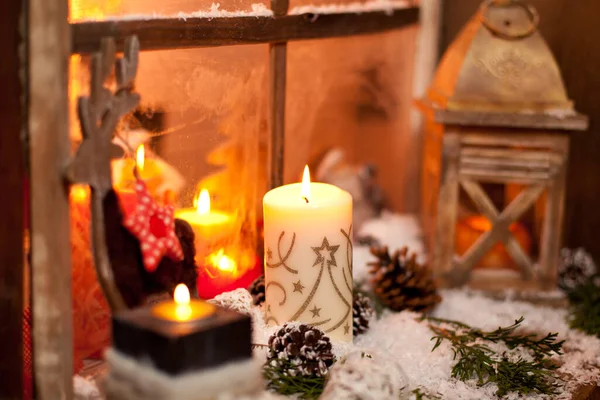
[(117, 254)]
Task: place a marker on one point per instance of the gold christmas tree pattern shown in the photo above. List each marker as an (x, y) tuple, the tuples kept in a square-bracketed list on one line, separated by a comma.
[(311, 283)]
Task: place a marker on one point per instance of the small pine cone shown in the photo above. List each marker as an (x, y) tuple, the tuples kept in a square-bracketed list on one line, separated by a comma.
[(574, 268), (362, 312), (300, 350), (401, 283), (257, 290)]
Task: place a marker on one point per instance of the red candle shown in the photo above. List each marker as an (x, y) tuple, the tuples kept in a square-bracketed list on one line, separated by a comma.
[(222, 273)]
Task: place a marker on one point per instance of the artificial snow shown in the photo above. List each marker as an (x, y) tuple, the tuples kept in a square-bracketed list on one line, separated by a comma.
[(261, 10), (215, 11), (406, 339), (387, 6)]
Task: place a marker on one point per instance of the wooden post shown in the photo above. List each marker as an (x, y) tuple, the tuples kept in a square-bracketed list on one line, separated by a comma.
[(278, 75), (551, 239), (443, 253), (49, 147), (12, 180)]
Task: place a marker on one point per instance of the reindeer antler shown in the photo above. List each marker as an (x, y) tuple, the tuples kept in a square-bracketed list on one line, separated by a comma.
[(99, 115)]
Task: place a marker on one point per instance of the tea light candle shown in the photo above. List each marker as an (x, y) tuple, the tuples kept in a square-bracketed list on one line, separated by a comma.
[(182, 309), (308, 256), (210, 226), (182, 335)]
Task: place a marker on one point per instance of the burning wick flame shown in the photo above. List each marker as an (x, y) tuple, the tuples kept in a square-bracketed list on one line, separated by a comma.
[(140, 157), (203, 202), (183, 311), (223, 262), (305, 191)]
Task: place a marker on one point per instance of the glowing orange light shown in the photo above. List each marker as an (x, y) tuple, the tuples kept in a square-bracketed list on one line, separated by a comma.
[(183, 311), (305, 190), (222, 261), (79, 193), (202, 202), (140, 157)]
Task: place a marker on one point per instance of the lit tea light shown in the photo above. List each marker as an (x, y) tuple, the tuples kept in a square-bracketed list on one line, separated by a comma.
[(201, 216), (210, 226), (182, 308), (140, 157), (308, 256), (180, 335), (222, 261)]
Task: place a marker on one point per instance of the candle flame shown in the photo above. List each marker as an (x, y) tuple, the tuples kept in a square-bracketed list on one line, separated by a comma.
[(305, 191), (203, 202), (223, 262), (140, 157), (181, 295), (183, 310)]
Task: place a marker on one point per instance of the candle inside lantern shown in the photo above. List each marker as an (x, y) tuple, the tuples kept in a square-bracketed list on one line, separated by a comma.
[(182, 308), (210, 226), (468, 230), (308, 256)]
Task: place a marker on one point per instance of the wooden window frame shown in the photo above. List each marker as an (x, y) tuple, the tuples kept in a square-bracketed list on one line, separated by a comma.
[(51, 41)]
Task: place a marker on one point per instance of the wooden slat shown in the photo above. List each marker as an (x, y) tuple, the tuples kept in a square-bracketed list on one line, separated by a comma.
[(487, 208), (504, 176), (171, 33), (540, 141), (500, 229), (443, 252), (278, 77), (510, 153), (552, 230), (12, 181), (505, 163), (575, 122), (49, 50)]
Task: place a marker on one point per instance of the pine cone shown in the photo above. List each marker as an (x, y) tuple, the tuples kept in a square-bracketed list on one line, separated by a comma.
[(401, 283), (362, 311), (300, 350), (574, 268), (257, 290)]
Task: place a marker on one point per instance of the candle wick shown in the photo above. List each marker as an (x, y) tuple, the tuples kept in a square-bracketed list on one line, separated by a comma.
[(305, 199)]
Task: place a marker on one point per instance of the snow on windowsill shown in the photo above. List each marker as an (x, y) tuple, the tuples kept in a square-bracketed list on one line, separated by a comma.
[(258, 10), (388, 6), (261, 10)]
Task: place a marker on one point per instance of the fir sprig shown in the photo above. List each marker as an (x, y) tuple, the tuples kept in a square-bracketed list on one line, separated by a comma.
[(424, 394), (585, 307), (476, 360), (278, 380)]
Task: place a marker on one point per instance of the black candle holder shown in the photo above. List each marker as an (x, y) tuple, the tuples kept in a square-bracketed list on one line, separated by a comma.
[(176, 347)]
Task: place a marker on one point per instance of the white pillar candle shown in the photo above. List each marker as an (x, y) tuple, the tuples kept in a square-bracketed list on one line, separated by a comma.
[(308, 256), (211, 228)]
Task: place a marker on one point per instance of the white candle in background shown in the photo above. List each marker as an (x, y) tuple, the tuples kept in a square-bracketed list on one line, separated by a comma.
[(308, 256), (211, 227)]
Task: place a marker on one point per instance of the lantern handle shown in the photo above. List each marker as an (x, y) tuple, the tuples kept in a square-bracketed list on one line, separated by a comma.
[(531, 12)]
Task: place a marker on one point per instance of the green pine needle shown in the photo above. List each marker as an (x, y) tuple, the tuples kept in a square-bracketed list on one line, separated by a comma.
[(477, 361), (585, 307), (423, 394), (306, 387)]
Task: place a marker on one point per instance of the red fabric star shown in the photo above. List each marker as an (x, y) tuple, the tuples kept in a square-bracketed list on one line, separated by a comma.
[(154, 227)]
